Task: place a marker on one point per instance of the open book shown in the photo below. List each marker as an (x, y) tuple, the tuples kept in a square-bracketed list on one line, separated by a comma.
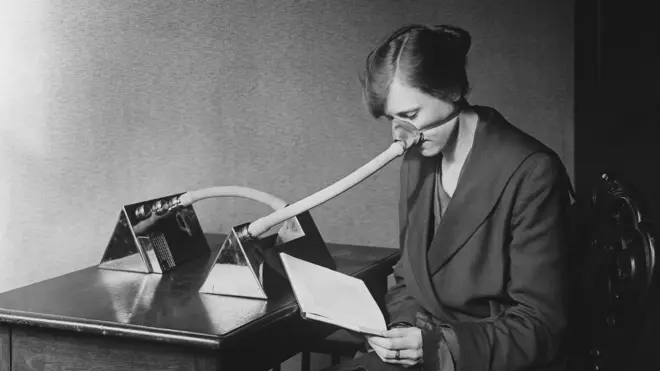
[(332, 297)]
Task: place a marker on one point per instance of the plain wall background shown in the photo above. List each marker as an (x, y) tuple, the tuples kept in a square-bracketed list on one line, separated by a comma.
[(108, 103)]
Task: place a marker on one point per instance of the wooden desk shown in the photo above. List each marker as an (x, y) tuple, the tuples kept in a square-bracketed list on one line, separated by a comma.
[(96, 319)]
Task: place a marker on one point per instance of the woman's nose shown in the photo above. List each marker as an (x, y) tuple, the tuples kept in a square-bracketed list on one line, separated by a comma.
[(405, 132)]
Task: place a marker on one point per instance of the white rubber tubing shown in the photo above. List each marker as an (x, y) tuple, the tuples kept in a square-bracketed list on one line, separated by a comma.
[(262, 225), (191, 197)]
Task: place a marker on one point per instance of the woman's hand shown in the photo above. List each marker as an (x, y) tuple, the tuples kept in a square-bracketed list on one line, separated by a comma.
[(404, 342)]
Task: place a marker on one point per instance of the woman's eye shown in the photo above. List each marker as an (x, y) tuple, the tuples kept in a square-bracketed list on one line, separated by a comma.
[(410, 116)]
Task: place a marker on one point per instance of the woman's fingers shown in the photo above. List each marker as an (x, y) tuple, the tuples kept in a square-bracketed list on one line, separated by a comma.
[(382, 352), (400, 345), (399, 338), (406, 356), (387, 343)]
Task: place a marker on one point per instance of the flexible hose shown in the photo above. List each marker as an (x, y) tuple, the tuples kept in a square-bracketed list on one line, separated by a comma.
[(261, 225), (405, 136), (148, 217), (191, 197)]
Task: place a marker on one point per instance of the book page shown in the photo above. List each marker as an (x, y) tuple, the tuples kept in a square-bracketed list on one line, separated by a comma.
[(342, 299)]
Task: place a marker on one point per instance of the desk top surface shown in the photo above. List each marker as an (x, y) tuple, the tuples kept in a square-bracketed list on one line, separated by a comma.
[(162, 307)]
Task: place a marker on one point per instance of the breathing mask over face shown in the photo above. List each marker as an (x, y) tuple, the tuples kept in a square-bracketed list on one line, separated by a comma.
[(407, 133)]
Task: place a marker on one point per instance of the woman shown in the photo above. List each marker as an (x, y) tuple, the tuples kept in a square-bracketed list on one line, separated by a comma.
[(481, 283)]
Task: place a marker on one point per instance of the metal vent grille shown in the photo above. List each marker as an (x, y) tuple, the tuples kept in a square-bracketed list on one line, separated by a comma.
[(163, 251)]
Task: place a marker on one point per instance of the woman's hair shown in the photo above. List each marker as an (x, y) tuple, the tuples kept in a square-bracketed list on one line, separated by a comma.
[(431, 59)]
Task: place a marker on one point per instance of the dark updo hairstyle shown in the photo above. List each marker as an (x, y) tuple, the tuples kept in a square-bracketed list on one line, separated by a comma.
[(431, 59)]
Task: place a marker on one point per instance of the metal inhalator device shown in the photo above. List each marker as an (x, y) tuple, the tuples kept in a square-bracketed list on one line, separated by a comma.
[(154, 237), (251, 267), (157, 236)]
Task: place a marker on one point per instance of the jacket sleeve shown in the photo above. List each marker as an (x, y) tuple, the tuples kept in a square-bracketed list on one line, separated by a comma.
[(526, 335), (401, 307)]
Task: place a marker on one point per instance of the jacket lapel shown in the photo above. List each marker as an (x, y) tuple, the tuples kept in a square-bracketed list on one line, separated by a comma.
[(416, 210), (487, 171)]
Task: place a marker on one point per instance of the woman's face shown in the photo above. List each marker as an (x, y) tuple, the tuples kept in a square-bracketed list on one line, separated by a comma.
[(421, 110)]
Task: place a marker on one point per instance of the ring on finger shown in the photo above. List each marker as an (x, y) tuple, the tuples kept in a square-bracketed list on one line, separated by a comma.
[(397, 355)]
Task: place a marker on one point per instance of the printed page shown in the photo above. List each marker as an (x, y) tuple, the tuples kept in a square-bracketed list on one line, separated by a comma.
[(342, 299)]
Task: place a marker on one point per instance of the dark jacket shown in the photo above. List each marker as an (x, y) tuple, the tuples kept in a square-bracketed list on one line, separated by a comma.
[(491, 283)]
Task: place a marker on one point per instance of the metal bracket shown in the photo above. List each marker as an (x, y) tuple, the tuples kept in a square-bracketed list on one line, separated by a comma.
[(152, 238), (253, 269)]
